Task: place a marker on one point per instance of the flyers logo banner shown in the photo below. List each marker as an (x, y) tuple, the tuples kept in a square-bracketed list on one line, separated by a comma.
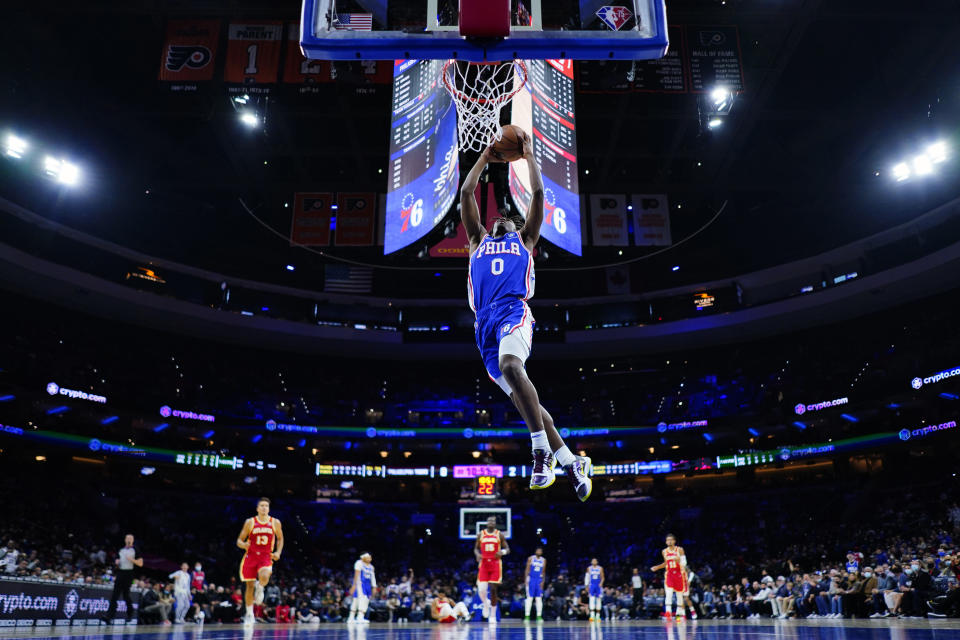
[(189, 51), (310, 225), (356, 214), (253, 53), (614, 17)]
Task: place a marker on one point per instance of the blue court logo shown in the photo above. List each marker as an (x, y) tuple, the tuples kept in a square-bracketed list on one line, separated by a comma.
[(94, 445), (904, 434), (53, 388), (564, 433), (784, 454), (662, 427), (271, 425), (371, 432), (468, 433), (916, 383)]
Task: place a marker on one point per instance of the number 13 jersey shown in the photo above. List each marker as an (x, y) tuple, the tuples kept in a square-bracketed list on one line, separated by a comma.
[(500, 269)]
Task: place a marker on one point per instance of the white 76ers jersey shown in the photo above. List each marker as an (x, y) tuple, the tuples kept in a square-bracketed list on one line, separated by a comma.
[(500, 268)]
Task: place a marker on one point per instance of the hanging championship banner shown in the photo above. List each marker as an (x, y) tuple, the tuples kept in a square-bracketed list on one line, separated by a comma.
[(608, 218), (253, 53), (651, 220), (299, 70), (356, 213), (189, 53), (310, 225)]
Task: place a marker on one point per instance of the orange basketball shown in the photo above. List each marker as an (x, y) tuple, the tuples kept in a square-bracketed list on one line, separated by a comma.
[(510, 145)]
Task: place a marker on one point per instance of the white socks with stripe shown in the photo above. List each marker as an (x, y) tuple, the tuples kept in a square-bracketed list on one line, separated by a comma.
[(564, 457), (539, 440)]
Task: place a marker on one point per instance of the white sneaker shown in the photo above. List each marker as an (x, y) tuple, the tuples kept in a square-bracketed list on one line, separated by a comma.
[(579, 474), (257, 593), (543, 474), (247, 619), (363, 621), (486, 610)]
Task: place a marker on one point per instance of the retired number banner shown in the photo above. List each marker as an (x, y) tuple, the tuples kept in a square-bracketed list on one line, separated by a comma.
[(608, 217), (296, 68), (189, 51), (651, 220), (253, 53), (356, 214), (310, 225)]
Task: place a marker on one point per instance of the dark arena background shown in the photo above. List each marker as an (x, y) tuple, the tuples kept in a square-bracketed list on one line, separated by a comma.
[(241, 393)]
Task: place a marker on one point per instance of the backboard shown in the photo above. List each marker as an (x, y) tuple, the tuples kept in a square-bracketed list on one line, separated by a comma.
[(473, 519), (429, 29)]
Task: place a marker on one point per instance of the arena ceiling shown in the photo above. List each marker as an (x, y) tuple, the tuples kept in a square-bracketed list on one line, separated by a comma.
[(834, 93)]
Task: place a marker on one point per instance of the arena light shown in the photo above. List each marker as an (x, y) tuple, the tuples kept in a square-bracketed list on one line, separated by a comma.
[(901, 171), (714, 123), (937, 152), (290, 267), (922, 165), (14, 146), (62, 171), (675, 268), (720, 97), (249, 119)]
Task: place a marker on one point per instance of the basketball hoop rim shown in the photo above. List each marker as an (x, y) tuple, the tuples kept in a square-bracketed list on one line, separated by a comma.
[(518, 65)]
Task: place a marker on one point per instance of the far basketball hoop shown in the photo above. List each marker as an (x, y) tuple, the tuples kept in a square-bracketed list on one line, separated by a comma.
[(479, 91)]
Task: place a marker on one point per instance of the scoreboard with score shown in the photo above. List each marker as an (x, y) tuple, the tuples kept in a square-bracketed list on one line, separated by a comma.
[(487, 487)]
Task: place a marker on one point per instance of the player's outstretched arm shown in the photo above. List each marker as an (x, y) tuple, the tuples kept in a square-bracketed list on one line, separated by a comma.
[(244, 534), (658, 567), (531, 226), (469, 211), (278, 534)]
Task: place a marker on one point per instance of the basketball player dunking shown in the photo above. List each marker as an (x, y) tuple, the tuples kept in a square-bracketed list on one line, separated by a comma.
[(257, 539), (675, 581), (535, 576), (491, 546), (499, 283), (594, 582)]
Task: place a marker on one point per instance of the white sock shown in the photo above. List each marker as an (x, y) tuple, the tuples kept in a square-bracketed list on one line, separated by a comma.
[(539, 602), (539, 440), (564, 457), (250, 610), (526, 606)]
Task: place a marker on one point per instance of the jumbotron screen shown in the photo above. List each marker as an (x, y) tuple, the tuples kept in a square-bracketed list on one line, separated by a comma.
[(424, 163), (544, 108)]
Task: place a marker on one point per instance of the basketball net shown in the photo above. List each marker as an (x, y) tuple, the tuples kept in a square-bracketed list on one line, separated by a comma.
[(480, 90)]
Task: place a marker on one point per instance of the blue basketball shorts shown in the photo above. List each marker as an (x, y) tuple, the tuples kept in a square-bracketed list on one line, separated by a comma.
[(503, 328)]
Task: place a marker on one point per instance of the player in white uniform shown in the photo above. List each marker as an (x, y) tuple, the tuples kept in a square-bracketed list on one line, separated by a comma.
[(364, 582), (181, 592)]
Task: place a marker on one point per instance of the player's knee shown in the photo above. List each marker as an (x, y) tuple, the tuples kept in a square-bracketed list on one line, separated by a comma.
[(512, 368)]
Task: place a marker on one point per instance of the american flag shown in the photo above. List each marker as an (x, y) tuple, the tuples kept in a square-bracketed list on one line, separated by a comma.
[(338, 278), (354, 22)]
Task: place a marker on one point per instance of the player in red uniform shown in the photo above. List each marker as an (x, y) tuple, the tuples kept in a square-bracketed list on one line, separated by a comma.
[(444, 610), (257, 539), (675, 580), (491, 546)]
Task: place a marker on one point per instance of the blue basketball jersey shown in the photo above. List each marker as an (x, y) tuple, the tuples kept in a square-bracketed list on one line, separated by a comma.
[(367, 579), (500, 268), (594, 573), (536, 569)]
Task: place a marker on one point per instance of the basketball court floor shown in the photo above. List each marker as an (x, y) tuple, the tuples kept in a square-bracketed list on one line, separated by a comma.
[(941, 629)]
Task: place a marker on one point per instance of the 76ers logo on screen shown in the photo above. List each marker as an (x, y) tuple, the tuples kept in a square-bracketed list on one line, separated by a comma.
[(192, 56), (411, 211), (614, 17)]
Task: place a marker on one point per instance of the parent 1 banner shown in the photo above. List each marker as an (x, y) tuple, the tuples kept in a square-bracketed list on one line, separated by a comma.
[(608, 218), (651, 220), (253, 54), (42, 603)]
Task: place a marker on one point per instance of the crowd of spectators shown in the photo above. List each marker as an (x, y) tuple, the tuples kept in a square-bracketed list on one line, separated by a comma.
[(751, 553)]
